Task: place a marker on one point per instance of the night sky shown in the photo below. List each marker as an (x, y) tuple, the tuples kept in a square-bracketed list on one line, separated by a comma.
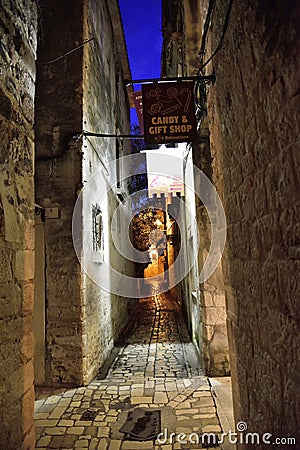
[(142, 25)]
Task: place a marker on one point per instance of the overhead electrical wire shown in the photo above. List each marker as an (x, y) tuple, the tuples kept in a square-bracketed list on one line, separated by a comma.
[(219, 46)]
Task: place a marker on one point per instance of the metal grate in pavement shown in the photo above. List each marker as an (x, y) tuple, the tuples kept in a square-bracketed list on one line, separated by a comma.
[(142, 424)]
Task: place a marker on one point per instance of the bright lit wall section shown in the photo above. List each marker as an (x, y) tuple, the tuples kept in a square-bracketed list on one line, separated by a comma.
[(165, 171)]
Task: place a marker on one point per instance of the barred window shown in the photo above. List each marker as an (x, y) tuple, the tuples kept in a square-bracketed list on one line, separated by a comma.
[(98, 241)]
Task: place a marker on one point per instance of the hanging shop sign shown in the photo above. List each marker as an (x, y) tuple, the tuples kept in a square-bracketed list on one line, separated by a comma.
[(169, 113)]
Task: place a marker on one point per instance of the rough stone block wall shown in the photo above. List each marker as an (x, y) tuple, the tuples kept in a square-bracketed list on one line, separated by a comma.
[(81, 90), (214, 339), (58, 181), (255, 136), (214, 348), (18, 28)]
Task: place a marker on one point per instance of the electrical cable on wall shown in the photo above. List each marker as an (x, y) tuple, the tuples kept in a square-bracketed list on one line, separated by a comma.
[(226, 22), (200, 90), (205, 29)]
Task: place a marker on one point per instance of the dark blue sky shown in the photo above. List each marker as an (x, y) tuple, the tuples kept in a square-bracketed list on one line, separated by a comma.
[(142, 25)]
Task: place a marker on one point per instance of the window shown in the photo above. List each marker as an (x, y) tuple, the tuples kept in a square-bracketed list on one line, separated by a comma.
[(118, 168), (98, 241)]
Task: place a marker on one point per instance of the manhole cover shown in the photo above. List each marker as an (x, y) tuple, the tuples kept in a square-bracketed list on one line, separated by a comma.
[(89, 414), (142, 424)]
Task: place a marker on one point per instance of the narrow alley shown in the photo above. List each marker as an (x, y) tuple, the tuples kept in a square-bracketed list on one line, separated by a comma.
[(156, 369), (149, 224)]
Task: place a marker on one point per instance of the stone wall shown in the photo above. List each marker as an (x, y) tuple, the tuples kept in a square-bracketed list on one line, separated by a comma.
[(255, 148), (18, 27), (80, 90), (58, 179), (105, 110), (213, 337), (190, 292), (183, 25)]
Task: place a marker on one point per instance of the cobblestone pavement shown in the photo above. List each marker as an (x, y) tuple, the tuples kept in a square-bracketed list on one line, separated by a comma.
[(156, 368)]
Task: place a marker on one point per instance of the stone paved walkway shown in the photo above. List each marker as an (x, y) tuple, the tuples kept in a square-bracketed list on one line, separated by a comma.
[(156, 368)]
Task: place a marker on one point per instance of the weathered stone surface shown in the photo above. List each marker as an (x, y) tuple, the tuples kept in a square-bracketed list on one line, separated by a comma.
[(18, 28), (214, 341), (81, 90), (58, 115), (179, 57), (253, 129), (111, 399), (253, 134)]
